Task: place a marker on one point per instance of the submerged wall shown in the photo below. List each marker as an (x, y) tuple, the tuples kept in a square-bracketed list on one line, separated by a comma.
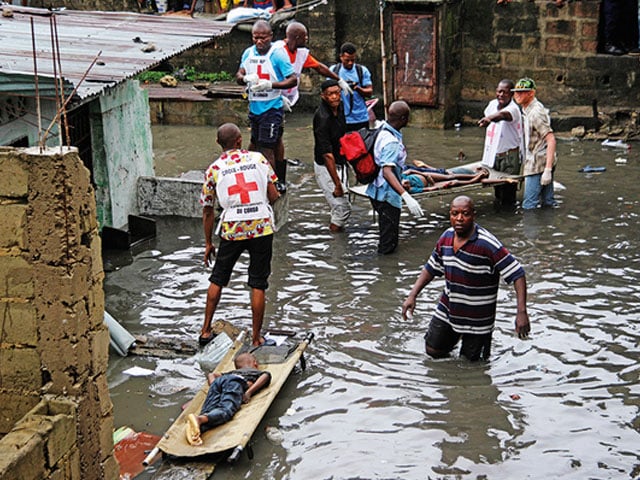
[(56, 419), (122, 150)]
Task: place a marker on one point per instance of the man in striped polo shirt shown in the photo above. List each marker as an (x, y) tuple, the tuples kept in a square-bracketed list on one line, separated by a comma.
[(472, 261)]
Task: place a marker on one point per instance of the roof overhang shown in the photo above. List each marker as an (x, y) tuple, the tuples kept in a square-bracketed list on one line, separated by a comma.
[(119, 45)]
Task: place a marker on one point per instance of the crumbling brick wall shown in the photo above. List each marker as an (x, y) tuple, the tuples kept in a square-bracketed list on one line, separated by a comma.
[(52, 337)]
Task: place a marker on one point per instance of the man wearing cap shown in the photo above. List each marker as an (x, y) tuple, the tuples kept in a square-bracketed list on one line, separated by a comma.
[(540, 147), (329, 166), (503, 139)]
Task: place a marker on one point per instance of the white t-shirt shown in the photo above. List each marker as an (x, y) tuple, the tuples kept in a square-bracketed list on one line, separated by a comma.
[(504, 135)]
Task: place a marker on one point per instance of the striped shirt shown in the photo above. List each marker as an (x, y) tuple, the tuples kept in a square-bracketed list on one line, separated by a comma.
[(472, 274)]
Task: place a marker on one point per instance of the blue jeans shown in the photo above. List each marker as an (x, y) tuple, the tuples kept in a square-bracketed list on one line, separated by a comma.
[(536, 194), (224, 399)]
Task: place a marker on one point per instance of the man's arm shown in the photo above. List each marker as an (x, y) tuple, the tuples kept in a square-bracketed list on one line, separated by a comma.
[(499, 116), (366, 92), (208, 220), (330, 163), (390, 176), (410, 303), (272, 193), (262, 381), (551, 149), (289, 82), (325, 71), (522, 317)]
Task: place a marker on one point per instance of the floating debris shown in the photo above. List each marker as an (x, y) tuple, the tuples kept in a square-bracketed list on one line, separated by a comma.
[(615, 144), (590, 169)]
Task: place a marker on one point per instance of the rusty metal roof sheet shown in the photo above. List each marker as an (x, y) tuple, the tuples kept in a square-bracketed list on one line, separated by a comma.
[(119, 38)]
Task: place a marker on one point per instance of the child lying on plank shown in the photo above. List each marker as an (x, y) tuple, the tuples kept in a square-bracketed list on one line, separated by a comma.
[(424, 178), (227, 392)]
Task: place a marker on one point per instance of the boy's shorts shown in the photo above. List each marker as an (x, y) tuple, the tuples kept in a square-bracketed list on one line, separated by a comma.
[(440, 336), (266, 128), (260, 251)]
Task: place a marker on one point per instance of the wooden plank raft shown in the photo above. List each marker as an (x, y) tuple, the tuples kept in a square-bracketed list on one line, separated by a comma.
[(495, 178), (230, 439)]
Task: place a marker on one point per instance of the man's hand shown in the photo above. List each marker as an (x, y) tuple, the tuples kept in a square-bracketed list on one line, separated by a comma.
[(413, 205), (286, 104), (546, 177), (407, 307), (342, 83), (250, 78), (261, 85), (338, 191), (522, 324), (209, 254)]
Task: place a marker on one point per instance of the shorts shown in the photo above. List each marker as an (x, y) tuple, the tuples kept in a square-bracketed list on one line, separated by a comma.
[(260, 251), (441, 336), (267, 128), (508, 162)]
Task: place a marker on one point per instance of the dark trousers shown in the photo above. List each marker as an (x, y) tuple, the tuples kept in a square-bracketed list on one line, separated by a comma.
[(388, 225), (620, 19)]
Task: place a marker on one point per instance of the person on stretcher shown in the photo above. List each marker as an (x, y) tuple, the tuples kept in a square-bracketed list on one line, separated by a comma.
[(425, 178), (227, 392)]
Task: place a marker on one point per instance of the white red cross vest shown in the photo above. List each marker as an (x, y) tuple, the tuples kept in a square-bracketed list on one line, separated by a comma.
[(241, 189), (298, 64), (261, 65)]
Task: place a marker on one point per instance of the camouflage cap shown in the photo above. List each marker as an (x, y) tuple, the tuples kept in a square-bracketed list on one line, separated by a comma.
[(524, 85)]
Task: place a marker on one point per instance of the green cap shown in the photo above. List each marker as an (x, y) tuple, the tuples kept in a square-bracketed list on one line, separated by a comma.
[(524, 85)]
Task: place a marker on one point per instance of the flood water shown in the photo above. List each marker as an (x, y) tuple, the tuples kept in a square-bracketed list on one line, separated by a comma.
[(370, 405)]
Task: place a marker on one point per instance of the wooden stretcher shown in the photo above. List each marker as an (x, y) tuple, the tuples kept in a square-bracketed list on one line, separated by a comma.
[(495, 178), (231, 438)]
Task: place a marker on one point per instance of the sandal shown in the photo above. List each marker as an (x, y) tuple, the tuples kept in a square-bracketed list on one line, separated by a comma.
[(203, 341)]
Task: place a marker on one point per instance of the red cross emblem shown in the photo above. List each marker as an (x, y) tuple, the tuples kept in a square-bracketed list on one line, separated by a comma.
[(261, 75), (243, 188), (491, 131)]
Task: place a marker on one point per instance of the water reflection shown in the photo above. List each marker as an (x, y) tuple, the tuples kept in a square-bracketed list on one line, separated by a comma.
[(563, 404)]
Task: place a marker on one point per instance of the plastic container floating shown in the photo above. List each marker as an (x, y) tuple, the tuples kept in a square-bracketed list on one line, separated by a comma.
[(615, 144), (590, 169)]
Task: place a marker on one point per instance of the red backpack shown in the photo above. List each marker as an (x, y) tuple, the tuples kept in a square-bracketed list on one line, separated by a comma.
[(357, 148)]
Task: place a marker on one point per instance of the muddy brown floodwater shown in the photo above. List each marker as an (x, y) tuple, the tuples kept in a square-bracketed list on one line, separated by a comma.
[(370, 405)]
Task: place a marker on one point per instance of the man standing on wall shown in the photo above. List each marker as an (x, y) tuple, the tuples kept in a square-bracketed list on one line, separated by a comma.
[(267, 70), (359, 79), (503, 139), (540, 142), (244, 184), (329, 165), (386, 191)]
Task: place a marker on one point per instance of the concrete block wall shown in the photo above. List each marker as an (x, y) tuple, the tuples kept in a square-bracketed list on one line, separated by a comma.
[(557, 46), (52, 337)]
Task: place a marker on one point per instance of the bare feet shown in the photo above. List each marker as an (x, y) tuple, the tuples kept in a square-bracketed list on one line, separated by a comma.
[(335, 228), (192, 430)]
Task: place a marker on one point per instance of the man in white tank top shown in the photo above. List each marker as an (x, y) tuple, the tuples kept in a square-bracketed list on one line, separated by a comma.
[(503, 139)]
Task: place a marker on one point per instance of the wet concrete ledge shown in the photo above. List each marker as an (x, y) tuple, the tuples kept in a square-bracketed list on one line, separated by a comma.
[(213, 104)]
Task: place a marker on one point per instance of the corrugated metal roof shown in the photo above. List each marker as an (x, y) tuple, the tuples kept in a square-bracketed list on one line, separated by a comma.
[(121, 37)]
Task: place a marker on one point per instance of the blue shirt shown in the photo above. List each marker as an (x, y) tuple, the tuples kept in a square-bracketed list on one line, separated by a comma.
[(355, 108), (282, 68), (472, 274), (388, 151)]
